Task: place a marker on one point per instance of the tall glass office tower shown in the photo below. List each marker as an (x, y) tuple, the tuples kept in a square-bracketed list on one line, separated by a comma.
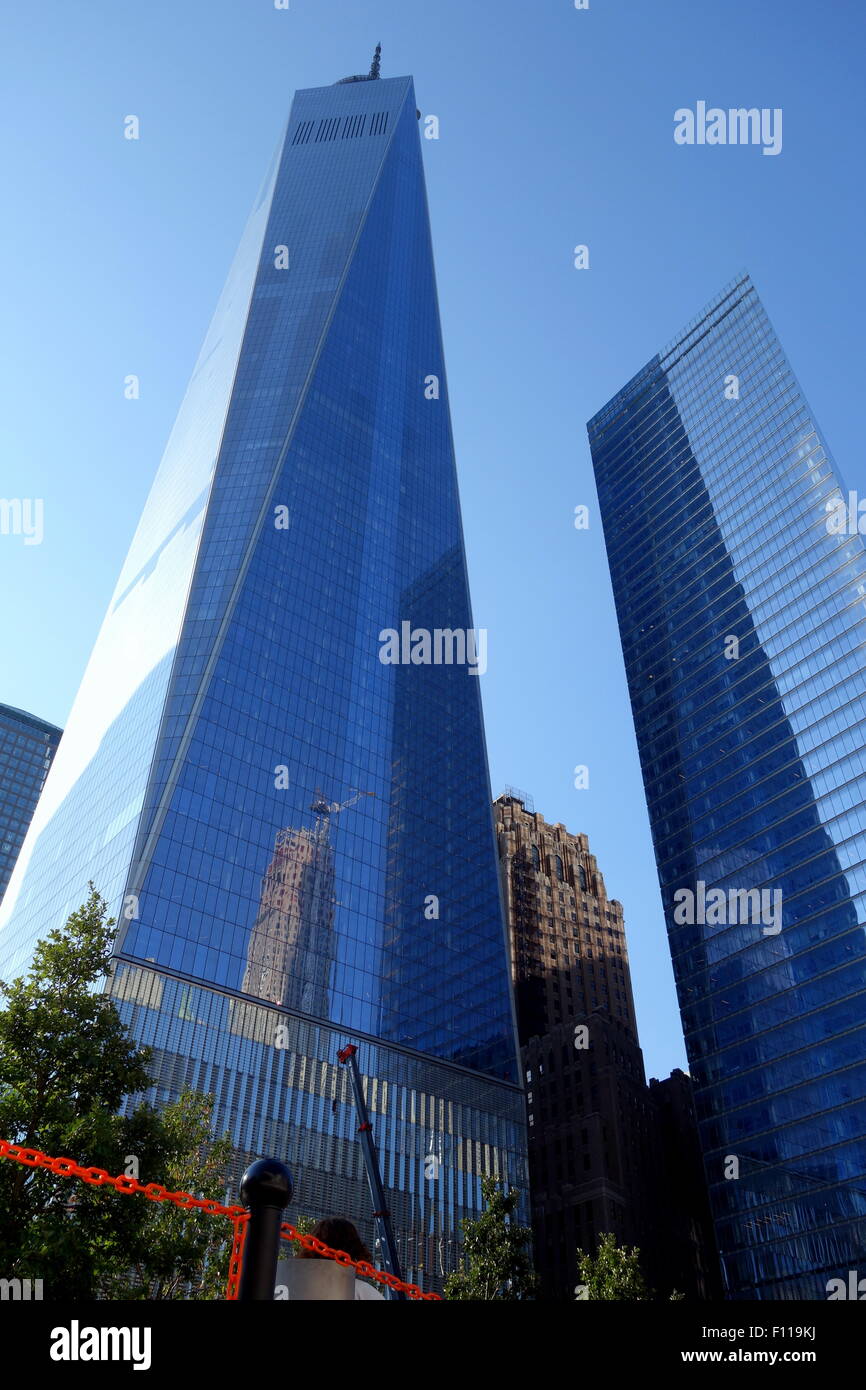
[(742, 612), (27, 746), (295, 835)]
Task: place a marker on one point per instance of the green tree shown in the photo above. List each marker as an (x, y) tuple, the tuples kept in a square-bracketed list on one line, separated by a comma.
[(182, 1253), (67, 1063), (496, 1252), (304, 1225), (613, 1273)]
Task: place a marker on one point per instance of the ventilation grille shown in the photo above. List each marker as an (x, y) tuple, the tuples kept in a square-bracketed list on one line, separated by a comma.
[(353, 126), (303, 132), (340, 128)]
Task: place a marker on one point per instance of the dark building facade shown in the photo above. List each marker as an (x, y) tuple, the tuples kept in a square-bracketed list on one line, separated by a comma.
[(740, 582), (600, 1157), (306, 507), (686, 1256), (27, 747)]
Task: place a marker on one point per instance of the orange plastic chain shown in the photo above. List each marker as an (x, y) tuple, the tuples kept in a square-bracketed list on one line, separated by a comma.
[(367, 1271), (68, 1168), (236, 1259)]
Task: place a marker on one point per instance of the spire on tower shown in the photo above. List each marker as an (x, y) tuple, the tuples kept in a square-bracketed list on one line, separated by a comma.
[(371, 76)]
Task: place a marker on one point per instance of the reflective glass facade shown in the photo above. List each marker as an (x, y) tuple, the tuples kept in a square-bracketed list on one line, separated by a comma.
[(27, 746), (274, 812), (742, 619)]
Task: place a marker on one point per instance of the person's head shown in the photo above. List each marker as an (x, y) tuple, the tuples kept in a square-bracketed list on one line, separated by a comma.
[(340, 1234)]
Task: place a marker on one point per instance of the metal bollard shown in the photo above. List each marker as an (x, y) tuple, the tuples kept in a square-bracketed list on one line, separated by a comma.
[(266, 1191)]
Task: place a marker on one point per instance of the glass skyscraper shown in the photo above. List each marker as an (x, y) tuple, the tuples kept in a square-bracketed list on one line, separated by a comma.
[(27, 746), (294, 833), (742, 611)]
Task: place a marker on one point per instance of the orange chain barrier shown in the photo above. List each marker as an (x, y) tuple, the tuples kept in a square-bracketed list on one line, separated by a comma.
[(68, 1168), (236, 1259), (367, 1271)]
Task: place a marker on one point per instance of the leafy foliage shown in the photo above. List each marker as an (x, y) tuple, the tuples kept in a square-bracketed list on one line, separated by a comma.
[(304, 1225), (496, 1250), (612, 1274), (67, 1063), (184, 1254)]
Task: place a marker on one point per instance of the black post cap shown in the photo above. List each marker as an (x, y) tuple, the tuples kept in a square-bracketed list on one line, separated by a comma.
[(267, 1183)]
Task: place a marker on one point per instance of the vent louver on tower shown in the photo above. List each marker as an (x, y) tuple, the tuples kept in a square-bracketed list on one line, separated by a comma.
[(340, 128)]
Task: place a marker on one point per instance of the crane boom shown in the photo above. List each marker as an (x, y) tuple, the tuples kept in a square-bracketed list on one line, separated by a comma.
[(323, 807), (348, 1056)]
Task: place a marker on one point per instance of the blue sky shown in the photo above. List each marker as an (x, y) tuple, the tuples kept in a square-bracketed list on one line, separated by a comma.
[(556, 128)]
